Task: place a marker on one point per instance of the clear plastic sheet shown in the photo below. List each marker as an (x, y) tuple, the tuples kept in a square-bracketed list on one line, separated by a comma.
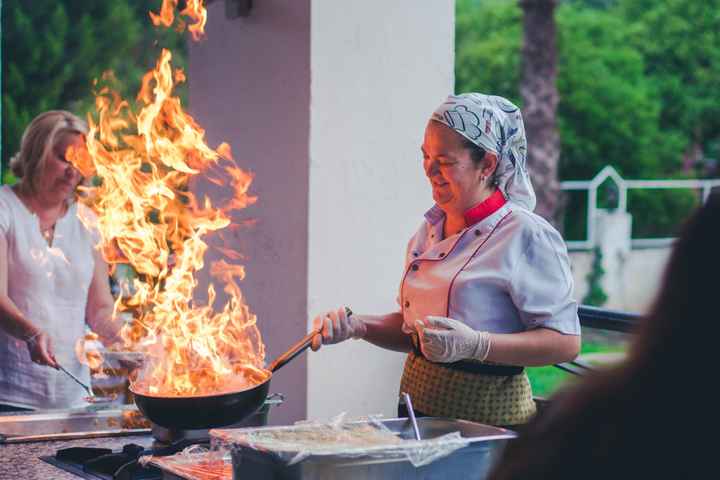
[(339, 438), (196, 463)]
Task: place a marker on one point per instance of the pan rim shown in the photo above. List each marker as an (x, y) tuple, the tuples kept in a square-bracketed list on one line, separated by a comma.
[(194, 397)]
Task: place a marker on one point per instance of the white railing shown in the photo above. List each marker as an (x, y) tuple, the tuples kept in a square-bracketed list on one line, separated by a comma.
[(591, 186)]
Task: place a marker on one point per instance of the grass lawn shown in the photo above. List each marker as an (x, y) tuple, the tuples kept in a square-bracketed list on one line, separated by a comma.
[(545, 380)]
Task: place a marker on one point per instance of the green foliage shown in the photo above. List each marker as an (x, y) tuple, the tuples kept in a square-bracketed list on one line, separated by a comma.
[(487, 46), (575, 219), (638, 82), (680, 41), (595, 296), (659, 213), (547, 380), (608, 113), (52, 51)]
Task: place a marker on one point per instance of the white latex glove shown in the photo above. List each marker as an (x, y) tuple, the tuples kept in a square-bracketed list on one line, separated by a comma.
[(446, 340), (337, 327)]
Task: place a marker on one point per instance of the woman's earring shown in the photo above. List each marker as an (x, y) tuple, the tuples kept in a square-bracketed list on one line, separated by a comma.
[(483, 178)]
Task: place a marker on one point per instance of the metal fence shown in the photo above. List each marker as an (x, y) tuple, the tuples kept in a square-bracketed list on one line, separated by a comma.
[(623, 185), (600, 319)]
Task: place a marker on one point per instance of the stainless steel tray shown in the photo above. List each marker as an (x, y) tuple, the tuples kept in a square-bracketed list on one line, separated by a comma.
[(65, 425), (473, 461)]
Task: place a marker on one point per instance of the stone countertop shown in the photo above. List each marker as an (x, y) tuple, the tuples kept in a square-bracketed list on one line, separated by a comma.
[(19, 461)]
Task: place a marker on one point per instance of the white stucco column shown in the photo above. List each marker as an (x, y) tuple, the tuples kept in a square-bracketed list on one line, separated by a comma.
[(613, 230), (378, 69), (325, 101)]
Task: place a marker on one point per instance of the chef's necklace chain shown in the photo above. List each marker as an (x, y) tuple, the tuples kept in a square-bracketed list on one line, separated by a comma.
[(48, 234)]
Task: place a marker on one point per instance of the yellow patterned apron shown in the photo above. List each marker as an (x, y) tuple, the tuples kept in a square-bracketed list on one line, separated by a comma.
[(444, 392)]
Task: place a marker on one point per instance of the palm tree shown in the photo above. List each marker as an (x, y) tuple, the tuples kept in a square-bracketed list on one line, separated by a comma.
[(540, 97)]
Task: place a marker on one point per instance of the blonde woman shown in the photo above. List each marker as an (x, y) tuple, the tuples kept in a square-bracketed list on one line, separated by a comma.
[(52, 279)]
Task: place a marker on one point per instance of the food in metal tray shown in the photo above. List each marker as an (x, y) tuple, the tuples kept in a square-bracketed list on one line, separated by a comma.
[(320, 437)]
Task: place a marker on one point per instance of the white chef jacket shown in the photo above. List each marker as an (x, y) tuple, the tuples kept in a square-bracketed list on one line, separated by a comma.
[(50, 287), (507, 273)]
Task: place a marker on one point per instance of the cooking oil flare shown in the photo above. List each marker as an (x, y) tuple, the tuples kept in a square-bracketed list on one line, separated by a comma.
[(193, 9), (146, 156)]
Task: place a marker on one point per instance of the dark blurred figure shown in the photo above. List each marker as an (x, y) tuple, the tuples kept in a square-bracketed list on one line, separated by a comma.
[(654, 415)]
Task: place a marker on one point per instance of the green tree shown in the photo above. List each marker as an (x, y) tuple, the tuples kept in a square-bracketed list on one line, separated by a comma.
[(595, 295), (680, 42), (488, 39), (609, 110), (52, 51)]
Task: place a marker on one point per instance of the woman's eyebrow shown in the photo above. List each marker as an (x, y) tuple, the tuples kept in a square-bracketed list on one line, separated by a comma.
[(439, 155)]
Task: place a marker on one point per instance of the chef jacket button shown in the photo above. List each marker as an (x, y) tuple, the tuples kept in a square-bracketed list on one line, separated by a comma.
[(477, 233), (415, 267), (442, 254), (407, 304)]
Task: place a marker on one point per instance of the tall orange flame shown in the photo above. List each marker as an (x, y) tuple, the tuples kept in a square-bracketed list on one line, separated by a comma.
[(194, 9), (149, 219)]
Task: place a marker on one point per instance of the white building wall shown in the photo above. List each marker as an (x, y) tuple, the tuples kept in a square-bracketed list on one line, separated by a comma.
[(378, 69), (642, 272)]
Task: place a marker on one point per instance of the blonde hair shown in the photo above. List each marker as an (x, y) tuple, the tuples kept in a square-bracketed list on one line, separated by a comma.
[(39, 138)]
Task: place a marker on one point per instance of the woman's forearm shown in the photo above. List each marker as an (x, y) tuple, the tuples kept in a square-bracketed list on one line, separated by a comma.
[(104, 325), (13, 321), (538, 347), (101, 304), (386, 331)]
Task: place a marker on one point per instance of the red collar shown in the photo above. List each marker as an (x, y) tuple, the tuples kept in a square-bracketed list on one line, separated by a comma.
[(485, 208)]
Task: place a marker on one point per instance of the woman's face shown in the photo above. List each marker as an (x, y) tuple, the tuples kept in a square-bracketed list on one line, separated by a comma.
[(454, 178), (59, 178)]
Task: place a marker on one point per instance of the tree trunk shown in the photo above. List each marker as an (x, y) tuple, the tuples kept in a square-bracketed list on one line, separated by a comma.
[(540, 97)]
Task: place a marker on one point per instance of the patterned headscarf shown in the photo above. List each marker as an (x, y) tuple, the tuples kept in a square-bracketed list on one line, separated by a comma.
[(494, 124)]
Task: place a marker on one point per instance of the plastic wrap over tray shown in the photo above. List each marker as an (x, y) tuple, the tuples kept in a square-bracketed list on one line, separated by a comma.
[(340, 439), (195, 463)]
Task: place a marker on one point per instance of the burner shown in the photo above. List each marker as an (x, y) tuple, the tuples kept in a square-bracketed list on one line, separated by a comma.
[(104, 464), (166, 437)]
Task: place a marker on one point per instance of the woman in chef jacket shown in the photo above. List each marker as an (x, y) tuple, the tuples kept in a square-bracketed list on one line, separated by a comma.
[(52, 278), (487, 288)]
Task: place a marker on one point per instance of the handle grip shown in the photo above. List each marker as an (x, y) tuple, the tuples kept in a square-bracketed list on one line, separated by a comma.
[(298, 348)]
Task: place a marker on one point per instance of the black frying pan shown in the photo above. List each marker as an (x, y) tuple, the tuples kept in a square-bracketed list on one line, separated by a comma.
[(213, 411)]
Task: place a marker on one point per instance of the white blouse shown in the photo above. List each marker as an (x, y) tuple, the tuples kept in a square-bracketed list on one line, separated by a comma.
[(50, 287), (507, 273)]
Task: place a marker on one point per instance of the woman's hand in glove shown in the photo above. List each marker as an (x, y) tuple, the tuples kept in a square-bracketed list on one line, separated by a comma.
[(446, 340), (337, 326)]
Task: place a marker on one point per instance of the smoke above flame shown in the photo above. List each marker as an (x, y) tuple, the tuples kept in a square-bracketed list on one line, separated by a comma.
[(146, 156)]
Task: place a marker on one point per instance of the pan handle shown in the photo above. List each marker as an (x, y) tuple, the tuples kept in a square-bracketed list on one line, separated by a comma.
[(293, 351), (298, 348)]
